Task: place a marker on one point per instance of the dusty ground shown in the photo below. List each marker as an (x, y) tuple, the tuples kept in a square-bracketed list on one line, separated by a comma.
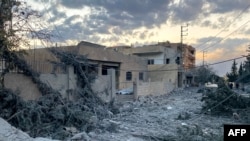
[(173, 117), (176, 116)]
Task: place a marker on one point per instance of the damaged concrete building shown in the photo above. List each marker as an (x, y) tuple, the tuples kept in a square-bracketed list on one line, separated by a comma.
[(125, 70), (148, 70), (164, 61)]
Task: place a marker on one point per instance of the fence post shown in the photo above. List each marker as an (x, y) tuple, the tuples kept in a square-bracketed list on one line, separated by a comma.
[(111, 73), (135, 88)]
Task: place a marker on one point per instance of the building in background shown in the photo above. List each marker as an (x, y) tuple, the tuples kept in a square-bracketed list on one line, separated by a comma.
[(127, 67), (166, 61)]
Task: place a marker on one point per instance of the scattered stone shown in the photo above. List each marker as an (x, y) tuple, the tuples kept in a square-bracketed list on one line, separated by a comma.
[(10, 133), (184, 124), (71, 130), (110, 125), (83, 136), (154, 118), (169, 108), (184, 116)]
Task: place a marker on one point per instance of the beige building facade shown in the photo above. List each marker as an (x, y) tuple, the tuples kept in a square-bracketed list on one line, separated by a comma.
[(115, 71), (127, 67), (150, 70), (166, 61)]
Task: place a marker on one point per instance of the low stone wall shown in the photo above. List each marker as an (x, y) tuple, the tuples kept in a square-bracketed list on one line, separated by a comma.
[(104, 86), (60, 82), (153, 88), (23, 84)]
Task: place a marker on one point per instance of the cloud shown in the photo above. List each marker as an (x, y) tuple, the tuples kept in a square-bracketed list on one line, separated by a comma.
[(128, 14), (247, 32), (75, 4), (227, 49), (110, 17), (107, 19), (223, 6), (53, 14), (207, 42), (187, 10), (220, 22)]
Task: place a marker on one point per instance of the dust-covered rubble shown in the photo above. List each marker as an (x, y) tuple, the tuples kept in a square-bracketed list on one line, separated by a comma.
[(176, 116), (171, 117), (10, 133)]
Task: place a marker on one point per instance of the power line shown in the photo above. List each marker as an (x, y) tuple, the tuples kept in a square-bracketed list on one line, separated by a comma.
[(226, 36), (215, 106), (216, 63), (162, 70), (200, 115), (245, 9), (226, 61)]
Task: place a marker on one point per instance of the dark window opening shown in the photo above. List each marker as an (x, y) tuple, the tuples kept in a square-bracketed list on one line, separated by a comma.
[(128, 76), (177, 60), (140, 75), (105, 69), (150, 61), (167, 61)]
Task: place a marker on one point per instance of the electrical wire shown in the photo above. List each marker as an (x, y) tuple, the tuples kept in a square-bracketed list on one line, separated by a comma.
[(213, 107), (227, 26), (226, 36), (165, 70), (170, 58)]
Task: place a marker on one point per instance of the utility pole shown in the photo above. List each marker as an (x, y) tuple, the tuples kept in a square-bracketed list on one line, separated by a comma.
[(184, 32)]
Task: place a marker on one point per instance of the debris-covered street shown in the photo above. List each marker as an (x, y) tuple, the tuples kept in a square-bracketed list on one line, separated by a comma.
[(169, 70), (176, 116)]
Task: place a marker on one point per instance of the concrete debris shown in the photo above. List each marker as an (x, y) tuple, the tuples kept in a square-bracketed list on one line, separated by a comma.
[(210, 85), (10, 133), (156, 118), (81, 137), (146, 119), (71, 130), (184, 124), (110, 125), (169, 108), (184, 116)]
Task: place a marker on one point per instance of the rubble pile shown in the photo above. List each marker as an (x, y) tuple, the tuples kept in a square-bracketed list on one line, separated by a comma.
[(176, 116), (10, 133), (52, 115), (225, 101)]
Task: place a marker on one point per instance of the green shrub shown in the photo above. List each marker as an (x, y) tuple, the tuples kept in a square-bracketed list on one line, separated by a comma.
[(223, 101)]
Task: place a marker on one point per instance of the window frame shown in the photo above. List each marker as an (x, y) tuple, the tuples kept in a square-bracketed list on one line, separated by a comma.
[(141, 76), (129, 76), (151, 61)]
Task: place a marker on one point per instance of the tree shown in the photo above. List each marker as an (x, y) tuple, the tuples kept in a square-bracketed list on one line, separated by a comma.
[(233, 75), (246, 65), (241, 71), (18, 24), (204, 74)]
